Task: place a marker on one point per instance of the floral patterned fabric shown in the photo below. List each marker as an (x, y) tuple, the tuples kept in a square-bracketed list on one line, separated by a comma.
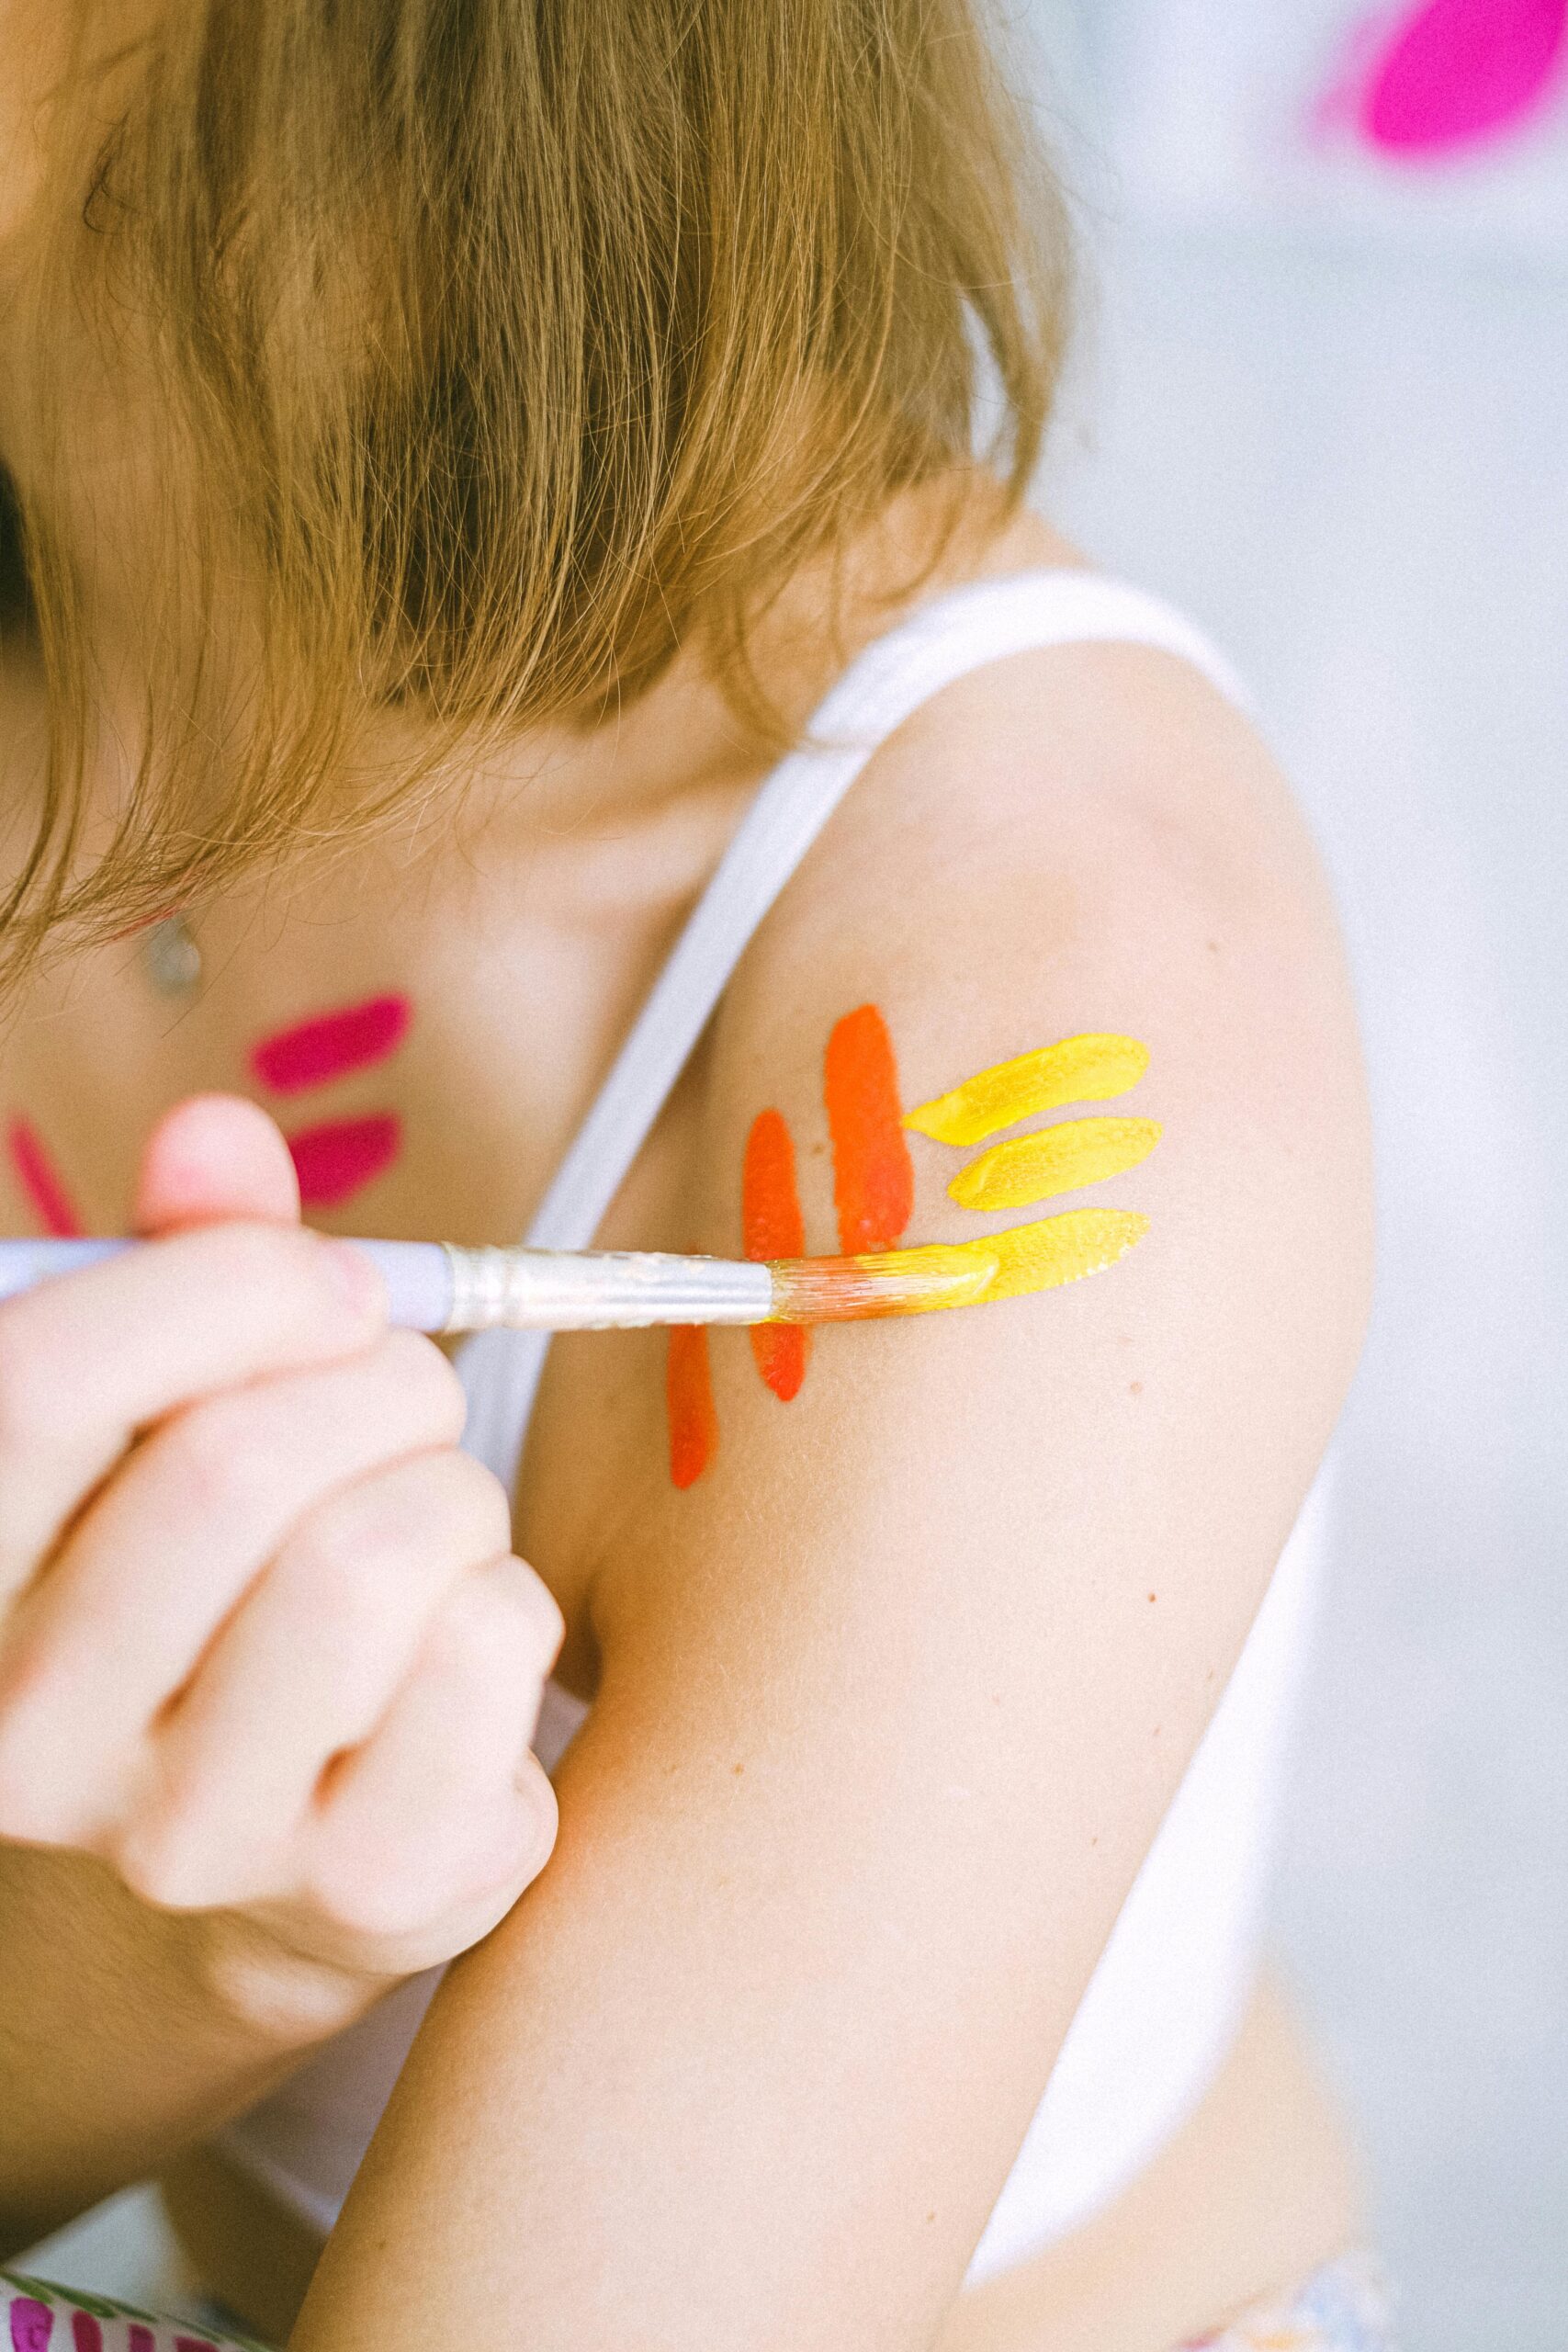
[(1344, 2308), (38, 2317)]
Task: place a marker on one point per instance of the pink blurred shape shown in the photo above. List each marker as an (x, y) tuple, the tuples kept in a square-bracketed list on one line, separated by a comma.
[(41, 1180), (337, 1159), (1455, 72), (329, 1046)]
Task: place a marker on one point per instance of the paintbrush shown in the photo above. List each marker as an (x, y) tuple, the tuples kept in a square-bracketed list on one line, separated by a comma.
[(435, 1286)]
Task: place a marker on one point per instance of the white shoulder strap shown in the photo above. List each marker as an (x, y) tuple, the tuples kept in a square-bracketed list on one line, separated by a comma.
[(886, 686)]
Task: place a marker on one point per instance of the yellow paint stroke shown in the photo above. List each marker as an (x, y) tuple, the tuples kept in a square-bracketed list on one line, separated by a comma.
[(1055, 1160), (1058, 1249), (959, 1273), (1080, 1069)]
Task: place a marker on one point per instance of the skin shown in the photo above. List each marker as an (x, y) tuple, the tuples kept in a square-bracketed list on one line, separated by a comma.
[(261, 1650), (839, 1975), (842, 1608), (885, 1720)]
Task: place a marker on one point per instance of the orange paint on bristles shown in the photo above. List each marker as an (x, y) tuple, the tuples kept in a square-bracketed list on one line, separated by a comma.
[(873, 1177), (688, 1397), (772, 1227)]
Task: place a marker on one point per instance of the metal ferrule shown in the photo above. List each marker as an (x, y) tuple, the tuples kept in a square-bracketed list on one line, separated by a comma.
[(533, 1290)]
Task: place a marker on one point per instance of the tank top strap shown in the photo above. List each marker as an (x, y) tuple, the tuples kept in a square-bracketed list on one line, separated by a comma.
[(889, 682)]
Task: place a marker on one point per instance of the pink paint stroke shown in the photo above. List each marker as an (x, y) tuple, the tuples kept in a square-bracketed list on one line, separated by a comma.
[(1451, 73), (32, 2324), (339, 1158), (42, 1182), (314, 1052)]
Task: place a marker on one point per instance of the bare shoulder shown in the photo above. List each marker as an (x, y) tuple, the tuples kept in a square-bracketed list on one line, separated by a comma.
[(900, 1675), (1084, 843), (1092, 840)]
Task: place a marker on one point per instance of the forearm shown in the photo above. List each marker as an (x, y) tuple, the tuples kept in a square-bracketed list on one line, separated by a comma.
[(127, 2032), (692, 2092)]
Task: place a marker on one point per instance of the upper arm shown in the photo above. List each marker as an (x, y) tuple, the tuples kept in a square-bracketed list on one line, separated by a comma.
[(1107, 852), (893, 1698)]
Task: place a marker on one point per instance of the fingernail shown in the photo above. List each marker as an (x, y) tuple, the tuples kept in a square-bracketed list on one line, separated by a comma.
[(356, 1278)]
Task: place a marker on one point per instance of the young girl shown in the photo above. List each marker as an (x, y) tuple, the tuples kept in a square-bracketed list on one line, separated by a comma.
[(532, 703)]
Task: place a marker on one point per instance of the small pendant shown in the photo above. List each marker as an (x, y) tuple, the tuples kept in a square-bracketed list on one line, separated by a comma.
[(170, 957)]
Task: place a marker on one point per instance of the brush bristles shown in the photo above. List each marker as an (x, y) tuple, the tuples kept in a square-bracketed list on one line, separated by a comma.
[(896, 1281)]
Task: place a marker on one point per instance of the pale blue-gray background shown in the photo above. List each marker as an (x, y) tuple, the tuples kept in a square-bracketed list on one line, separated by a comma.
[(1326, 410)]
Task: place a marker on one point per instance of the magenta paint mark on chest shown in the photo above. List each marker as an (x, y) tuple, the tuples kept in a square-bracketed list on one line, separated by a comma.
[(330, 1045), (32, 2324), (33, 1165), (338, 1159), (1455, 72)]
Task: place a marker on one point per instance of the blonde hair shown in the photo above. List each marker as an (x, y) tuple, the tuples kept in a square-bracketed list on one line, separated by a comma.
[(502, 348)]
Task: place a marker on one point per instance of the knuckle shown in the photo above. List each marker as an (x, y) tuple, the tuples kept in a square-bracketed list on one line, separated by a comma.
[(377, 1899), (448, 1499), (497, 1637), (425, 1383), (512, 1840), (394, 1889), (537, 1814), (284, 1268), (253, 1259), (525, 1599), (340, 1560), (468, 1640), (251, 1255), (40, 1801), (460, 1643), (485, 1505), (396, 1519), (31, 1812), (158, 1862), (221, 1456)]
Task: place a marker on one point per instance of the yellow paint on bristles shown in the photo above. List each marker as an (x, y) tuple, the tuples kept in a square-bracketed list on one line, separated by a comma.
[(887, 1282), (1015, 1175), (1042, 1256), (1079, 1069)]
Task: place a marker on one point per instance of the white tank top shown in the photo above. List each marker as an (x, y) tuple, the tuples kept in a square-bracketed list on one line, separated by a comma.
[(1169, 1993)]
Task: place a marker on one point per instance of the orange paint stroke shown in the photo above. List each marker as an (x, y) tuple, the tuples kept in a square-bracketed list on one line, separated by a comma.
[(688, 1398), (772, 1227), (873, 1177)]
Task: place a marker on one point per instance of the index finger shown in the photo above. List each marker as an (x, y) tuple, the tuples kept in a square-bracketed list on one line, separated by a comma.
[(89, 1360)]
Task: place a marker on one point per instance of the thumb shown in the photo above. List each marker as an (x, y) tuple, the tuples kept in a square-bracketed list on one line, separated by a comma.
[(213, 1157)]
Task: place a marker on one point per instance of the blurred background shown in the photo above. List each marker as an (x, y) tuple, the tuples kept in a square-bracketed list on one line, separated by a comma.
[(1321, 400)]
